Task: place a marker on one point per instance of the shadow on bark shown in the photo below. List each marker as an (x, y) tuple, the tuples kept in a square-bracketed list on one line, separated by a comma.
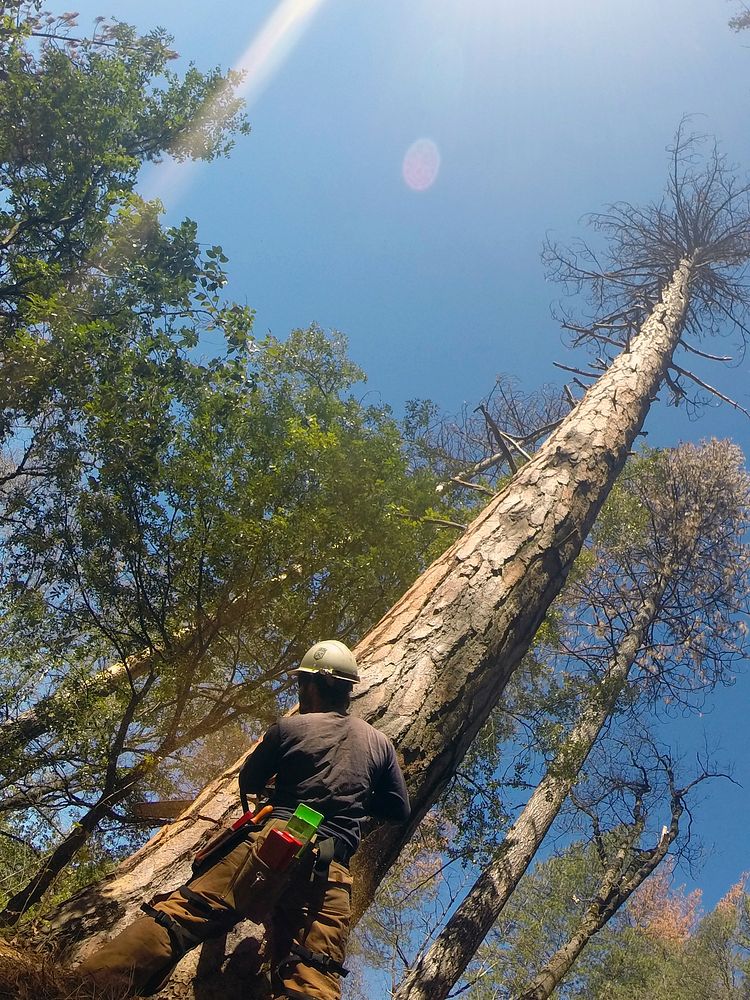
[(227, 966)]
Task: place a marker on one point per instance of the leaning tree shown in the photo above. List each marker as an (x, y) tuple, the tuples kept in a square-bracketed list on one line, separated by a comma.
[(625, 860), (634, 813), (438, 661), (659, 614)]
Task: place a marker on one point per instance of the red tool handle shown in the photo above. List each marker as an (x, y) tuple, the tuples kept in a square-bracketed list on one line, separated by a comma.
[(251, 817)]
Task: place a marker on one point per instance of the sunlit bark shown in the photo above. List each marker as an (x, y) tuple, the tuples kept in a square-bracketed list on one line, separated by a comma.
[(436, 664)]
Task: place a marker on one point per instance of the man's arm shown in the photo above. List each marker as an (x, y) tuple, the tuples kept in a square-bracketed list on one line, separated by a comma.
[(261, 764), (390, 799)]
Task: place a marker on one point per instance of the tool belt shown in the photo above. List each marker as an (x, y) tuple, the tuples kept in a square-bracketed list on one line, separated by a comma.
[(249, 885), (274, 860), (254, 877)]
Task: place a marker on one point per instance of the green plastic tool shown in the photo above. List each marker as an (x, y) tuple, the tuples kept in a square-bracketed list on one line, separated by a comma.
[(304, 823)]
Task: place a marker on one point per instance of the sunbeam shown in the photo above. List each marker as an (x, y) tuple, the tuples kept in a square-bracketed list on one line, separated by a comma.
[(260, 61)]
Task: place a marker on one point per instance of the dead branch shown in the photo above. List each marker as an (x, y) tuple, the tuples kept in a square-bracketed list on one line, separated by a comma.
[(469, 486), (539, 432), (576, 371), (440, 522), (593, 332), (516, 445), (484, 466), (703, 354), (709, 388), (498, 435)]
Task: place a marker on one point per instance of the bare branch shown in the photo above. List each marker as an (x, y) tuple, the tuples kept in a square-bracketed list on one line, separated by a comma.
[(440, 522), (576, 371), (498, 435), (709, 388), (703, 354)]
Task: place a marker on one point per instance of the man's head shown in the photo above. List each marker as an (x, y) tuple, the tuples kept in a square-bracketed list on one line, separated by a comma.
[(326, 674)]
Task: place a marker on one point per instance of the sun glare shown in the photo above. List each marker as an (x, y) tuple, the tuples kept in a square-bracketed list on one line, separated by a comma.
[(262, 58), (273, 44)]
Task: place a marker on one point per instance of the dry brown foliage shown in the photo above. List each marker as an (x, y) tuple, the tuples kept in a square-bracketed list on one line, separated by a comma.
[(668, 914), (30, 976)]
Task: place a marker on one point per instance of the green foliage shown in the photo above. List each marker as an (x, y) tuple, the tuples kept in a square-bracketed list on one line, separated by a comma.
[(502, 762), (541, 916), (77, 121), (624, 519), (641, 960), (411, 901), (264, 482), (171, 488), (24, 844), (257, 482), (656, 948)]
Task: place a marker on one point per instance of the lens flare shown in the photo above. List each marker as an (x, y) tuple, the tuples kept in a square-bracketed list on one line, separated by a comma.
[(421, 165), (260, 61), (273, 44)]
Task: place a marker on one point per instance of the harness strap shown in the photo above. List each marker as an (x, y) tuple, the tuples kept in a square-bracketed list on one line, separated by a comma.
[(315, 958), (202, 904), (183, 939), (325, 852), (243, 797)]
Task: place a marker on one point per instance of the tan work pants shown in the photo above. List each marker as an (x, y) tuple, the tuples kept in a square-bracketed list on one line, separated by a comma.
[(309, 914)]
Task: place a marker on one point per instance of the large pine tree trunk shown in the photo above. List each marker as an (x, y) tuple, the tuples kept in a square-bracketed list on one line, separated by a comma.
[(435, 665), (440, 968)]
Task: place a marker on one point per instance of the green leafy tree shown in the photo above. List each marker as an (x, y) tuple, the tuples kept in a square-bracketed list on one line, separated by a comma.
[(661, 948), (177, 523), (92, 288), (271, 517), (78, 119)]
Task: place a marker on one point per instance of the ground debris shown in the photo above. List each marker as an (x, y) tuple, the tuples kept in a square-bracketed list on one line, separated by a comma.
[(32, 976)]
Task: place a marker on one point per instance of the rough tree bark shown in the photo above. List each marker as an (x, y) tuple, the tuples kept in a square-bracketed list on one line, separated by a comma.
[(440, 968), (436, 664)]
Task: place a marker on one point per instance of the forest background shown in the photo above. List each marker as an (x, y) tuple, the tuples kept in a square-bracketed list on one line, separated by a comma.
[(429, 260), (540, 115)]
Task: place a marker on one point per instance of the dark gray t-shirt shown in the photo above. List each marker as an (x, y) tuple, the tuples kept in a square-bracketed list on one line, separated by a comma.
[(334, 763)]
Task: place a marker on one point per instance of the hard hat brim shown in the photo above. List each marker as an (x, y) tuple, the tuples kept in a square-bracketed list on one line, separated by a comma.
[(326, 673)]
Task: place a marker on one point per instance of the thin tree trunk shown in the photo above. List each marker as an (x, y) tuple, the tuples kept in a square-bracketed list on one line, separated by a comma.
[(62, 704), (53, 709), (436, 664), (82, 830), (615, 890), (440, 968), (562, 961), (66, 850)]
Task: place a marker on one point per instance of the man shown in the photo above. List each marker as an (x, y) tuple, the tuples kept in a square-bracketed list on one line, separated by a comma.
[(325, 759)]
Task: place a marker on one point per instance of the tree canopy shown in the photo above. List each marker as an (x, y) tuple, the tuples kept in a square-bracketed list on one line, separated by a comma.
[(184, 507)]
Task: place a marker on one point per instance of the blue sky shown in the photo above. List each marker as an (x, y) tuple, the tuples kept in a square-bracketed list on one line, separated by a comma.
[(539, 113)]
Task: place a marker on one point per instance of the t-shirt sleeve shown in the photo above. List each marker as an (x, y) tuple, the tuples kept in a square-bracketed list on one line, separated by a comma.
[(262, 763), (390, 799)]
